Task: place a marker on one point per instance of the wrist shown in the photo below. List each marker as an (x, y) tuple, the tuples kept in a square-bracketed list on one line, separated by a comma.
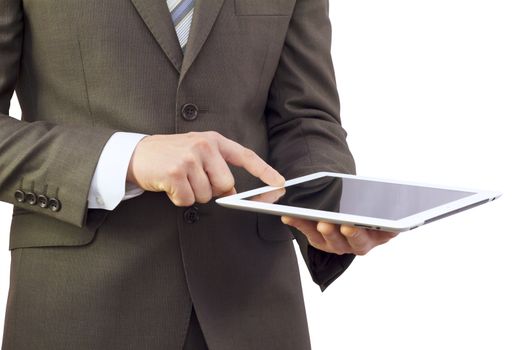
[(130, 174)]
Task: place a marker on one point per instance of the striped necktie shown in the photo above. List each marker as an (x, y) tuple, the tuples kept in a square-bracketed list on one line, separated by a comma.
[(181, 15)]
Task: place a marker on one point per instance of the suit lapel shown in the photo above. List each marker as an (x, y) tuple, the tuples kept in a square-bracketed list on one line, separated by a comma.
[(157, 17), (204, 16)]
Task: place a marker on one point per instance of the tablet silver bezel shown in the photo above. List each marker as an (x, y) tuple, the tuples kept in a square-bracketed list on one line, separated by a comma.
[(238, 201)]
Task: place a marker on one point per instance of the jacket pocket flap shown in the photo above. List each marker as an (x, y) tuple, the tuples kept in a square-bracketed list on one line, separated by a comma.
[(271, 228), (264, 7), (30, 229)]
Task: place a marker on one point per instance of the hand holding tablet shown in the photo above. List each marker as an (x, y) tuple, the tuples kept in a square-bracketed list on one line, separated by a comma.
[(341, 213), (329, 237), (339, 239)]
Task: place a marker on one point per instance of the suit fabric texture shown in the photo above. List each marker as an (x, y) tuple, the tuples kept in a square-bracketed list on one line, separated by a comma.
[(258, 72)]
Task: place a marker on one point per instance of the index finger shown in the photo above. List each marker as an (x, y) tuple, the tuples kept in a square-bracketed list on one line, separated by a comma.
[(241, 156), (270, 197)]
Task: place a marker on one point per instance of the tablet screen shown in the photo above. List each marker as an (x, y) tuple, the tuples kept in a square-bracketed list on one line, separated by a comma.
[(376, 199)]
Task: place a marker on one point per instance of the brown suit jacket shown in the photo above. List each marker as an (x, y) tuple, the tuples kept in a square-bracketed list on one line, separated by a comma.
[(259, 72)]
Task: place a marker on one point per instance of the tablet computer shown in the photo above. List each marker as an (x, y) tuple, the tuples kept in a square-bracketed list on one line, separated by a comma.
[(359, 201)]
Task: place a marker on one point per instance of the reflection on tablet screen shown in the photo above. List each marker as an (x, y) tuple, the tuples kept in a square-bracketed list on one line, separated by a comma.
[(361, 197)]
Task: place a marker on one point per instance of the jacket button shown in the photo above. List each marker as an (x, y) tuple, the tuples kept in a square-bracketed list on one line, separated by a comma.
[(191, 215), (42, 201), (31, 198), (20, 196), (54, 204), (190, 111)]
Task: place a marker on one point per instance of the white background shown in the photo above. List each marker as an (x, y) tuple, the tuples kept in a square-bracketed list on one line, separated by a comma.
[(431, 91)]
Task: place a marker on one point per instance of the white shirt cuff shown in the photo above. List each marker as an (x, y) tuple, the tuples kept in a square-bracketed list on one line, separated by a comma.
[(108, 185)]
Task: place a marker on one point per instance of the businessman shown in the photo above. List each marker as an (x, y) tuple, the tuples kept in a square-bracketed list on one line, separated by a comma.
[(135, 114)]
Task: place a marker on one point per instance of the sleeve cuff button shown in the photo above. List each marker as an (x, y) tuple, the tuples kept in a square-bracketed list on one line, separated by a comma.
[(20, 196), (31, 198), (54, 204), (43, 201)]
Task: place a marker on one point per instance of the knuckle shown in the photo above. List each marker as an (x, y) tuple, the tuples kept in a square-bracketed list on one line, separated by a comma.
[(189, 161), (225, 181), (174, 199), (204, 198), (176, 172), (213, 134), (180, 198), (185, 201), (229, 182), (223, 188), (202, 144), (222, 183), (193, 134)]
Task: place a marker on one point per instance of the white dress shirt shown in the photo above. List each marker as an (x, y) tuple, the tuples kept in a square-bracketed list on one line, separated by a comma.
[(108, 185)]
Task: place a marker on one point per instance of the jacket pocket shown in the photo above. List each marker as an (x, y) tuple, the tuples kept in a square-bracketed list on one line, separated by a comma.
[(270, 228), (30, 229), (264, 7)]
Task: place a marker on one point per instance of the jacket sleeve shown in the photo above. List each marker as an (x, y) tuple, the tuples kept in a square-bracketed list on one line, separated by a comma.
[(41, 157), (303, 118)]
